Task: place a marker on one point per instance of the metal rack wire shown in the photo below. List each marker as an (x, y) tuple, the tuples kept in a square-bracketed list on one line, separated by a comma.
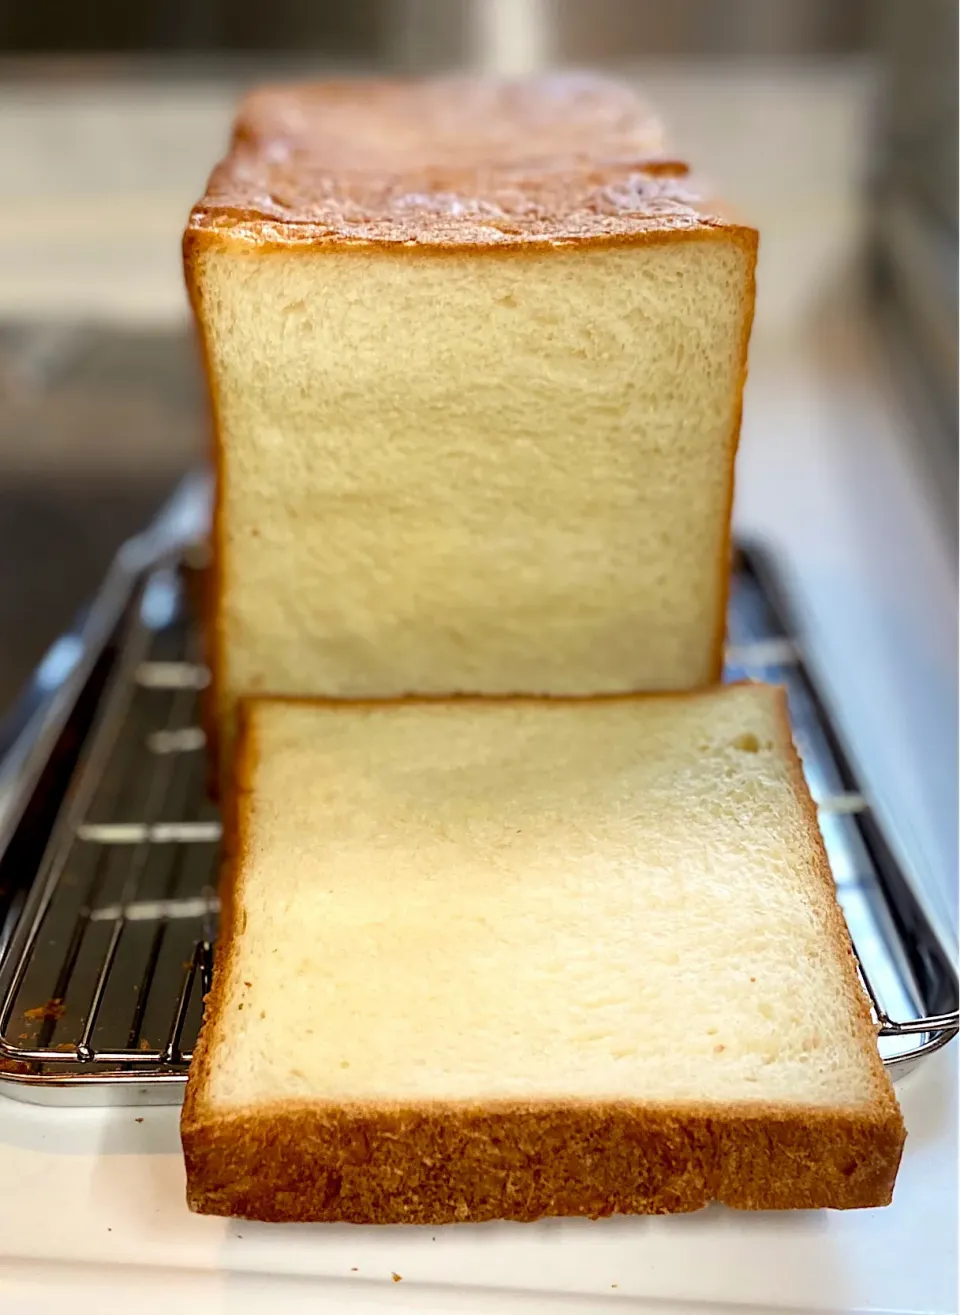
[(114, 950), (101, 986)]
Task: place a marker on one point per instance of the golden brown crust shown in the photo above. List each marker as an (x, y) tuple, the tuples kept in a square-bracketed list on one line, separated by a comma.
[(438, 1165), (393, 124), (434, 1163), (458, 163)]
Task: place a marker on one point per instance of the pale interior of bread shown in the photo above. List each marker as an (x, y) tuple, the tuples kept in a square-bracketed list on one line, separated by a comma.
[(480, 472), (543, 901)]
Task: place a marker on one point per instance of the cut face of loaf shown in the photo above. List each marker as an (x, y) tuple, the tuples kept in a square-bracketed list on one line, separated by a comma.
[(476, 355), (505, 959)]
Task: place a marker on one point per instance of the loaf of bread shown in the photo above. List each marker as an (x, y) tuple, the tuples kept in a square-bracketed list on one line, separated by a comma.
[(501, 959), (476, 353)]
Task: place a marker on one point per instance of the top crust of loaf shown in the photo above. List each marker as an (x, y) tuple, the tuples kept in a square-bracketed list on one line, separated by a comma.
[(450, 163)]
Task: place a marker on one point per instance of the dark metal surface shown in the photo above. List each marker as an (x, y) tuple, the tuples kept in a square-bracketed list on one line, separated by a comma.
[(97, 425)]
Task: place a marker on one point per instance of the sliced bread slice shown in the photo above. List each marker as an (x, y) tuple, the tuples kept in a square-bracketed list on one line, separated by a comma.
[(476, 353), (507, 959)]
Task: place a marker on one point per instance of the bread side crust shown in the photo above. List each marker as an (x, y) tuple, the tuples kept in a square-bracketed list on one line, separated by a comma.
[(725, 560), (884, 1103), (213, 585), (232, 920), (433, 1163), (439, 1165)]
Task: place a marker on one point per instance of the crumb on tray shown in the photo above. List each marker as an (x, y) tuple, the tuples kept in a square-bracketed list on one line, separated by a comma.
[(53, 1009)]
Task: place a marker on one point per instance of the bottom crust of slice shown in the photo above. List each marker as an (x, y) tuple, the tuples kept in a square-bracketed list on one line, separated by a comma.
[(446, 1164)]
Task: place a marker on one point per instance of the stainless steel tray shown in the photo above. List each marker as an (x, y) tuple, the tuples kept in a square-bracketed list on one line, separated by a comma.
[(109, 846)]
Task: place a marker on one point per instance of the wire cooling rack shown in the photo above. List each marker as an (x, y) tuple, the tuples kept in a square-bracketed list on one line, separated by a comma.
[(110, 927)]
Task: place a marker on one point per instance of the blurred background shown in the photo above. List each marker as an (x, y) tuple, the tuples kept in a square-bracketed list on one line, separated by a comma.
[(831, 124)]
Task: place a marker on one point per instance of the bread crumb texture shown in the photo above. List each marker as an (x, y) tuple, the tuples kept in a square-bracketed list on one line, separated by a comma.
[(529, 957), (476, 354)]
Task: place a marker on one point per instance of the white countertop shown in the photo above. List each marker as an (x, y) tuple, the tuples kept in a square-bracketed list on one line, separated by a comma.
[(99, 1215)]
